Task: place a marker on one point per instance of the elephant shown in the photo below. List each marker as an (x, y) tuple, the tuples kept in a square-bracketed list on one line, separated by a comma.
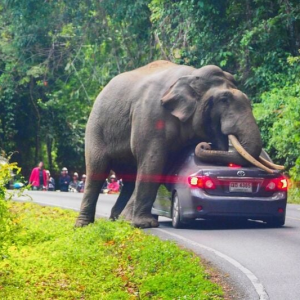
[(143, 118)]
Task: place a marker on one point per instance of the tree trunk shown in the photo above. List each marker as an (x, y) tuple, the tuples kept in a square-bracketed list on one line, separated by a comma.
[(38, 123), (49, 153)]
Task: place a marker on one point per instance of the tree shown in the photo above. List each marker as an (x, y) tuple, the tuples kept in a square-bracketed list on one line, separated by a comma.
[(55, 58)]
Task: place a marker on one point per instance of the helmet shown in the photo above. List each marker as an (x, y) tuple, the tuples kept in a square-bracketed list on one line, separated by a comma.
[(64, 169), (75, 174), (84, 176), (113, 176)]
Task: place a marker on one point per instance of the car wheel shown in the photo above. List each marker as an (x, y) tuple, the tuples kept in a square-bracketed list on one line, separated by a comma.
[(276, 221), (176, 222)]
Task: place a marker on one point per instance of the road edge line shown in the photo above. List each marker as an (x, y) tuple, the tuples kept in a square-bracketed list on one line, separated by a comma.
[(292, 218), (258, 286)]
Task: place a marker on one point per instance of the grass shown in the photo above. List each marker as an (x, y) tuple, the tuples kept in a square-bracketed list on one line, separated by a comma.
[(294, 192), (46, 258), (294, 195)]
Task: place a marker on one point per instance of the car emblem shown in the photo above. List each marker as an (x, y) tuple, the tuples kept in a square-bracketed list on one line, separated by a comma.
[(241, 173)]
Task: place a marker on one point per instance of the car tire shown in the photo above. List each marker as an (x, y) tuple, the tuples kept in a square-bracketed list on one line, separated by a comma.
[(176, 217), (276, 222)]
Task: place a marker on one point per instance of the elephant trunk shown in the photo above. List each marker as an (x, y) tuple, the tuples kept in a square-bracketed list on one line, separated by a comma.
[(244, 155), (247, 145), (223, 157)]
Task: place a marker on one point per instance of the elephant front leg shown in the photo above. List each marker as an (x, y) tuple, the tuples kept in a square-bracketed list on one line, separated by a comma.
[(142, 205), (122, 200), (138, 209)]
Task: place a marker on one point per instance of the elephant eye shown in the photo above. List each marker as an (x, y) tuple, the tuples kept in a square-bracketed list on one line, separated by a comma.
[(224, 100)]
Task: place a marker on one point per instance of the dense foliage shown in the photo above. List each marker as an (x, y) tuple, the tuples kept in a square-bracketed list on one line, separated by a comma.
[(7, 225), (48, 259), (57, 55)]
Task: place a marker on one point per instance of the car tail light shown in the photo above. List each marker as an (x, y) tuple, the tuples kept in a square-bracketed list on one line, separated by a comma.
[(276, 184), (202, 182), (232, 165), (199, 208)]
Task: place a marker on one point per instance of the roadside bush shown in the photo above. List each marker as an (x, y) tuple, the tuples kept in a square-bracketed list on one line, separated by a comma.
[(278, 116), (6, 222), (49, 259)]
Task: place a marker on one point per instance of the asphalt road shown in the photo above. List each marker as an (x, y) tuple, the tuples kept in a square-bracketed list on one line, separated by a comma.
[(261, 262)]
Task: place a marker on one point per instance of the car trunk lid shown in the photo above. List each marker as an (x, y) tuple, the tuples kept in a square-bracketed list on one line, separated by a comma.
[(237, 182)]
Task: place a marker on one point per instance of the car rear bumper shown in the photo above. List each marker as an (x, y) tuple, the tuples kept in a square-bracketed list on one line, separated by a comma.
[(218, 206)]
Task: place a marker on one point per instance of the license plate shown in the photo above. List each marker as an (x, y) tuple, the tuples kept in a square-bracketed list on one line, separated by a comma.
[(244, 187)]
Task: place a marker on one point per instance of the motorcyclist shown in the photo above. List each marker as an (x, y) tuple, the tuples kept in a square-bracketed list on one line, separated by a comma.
[(113, 186)]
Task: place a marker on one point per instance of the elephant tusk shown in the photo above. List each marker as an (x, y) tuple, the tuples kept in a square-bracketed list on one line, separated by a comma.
[(269, 164), (240, 149)]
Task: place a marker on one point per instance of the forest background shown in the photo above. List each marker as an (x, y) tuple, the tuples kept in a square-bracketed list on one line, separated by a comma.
[(57, 55)]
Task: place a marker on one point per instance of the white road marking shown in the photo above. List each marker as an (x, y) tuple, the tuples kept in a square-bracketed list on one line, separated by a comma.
[(258, 286), (293, 218)]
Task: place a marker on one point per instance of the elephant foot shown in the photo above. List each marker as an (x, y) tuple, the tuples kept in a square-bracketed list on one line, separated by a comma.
[(115, 213), (127, 213), (83, 222), (114, 216), (145, 222)]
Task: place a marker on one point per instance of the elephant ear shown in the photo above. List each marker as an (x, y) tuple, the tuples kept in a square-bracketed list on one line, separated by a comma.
[(181, 98)]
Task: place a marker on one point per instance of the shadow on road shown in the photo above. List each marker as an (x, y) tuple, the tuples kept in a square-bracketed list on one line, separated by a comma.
[(223, 225)]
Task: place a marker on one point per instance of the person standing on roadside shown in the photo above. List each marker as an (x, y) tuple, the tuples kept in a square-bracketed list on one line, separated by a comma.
[(81, 184), (64, 180), (38, 177), (74, 183), (51, 182)]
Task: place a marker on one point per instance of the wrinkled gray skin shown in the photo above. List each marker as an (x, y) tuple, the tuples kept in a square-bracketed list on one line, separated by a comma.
[(143, 118)]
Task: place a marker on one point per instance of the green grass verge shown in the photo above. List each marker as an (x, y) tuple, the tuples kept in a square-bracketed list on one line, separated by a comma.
[(48, 259), (294, 195)]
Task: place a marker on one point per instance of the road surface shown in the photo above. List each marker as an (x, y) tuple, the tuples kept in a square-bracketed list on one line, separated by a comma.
[(262, 263)]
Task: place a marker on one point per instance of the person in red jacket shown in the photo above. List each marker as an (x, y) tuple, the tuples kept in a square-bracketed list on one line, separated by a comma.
[(38, 177), (113, 186)]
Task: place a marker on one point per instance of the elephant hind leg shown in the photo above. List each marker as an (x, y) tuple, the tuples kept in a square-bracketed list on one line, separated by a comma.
[(138, 209), (97, 172), (122, 200)]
